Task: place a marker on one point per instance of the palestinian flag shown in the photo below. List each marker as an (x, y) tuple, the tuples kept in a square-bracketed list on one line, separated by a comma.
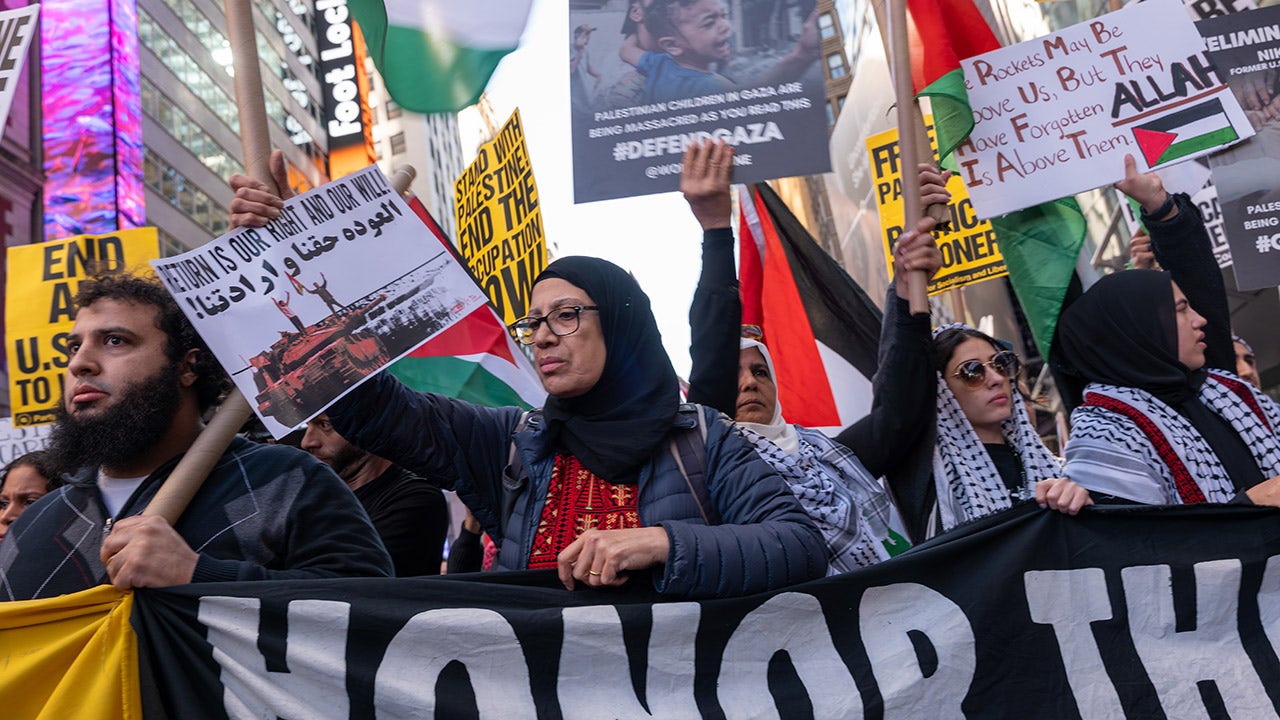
[(1039, 244), (821, 328), (1184, 133), (941, 34), (437, 55), (475, 359)]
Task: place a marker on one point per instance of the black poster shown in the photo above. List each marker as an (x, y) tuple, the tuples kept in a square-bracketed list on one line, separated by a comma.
[(1245, 47)]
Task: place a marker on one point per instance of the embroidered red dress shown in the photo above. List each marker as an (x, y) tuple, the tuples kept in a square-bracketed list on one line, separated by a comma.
[(578, 500)]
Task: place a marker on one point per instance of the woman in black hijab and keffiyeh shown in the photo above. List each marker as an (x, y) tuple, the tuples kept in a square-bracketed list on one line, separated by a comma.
[(593, 484), (1154, 426)]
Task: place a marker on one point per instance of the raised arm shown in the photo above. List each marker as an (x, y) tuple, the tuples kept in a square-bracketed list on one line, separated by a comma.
[(715, 316), (1182, 246)]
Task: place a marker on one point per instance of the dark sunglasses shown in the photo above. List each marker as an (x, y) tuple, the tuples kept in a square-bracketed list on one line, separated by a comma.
[(974, 372)]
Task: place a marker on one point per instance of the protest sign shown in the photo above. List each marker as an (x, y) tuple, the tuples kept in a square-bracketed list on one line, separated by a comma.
[(500, 221), (300, 311), (645, 83), (39, 309), (1056, 115), (970, 251), (1245, 47), (17, 27), (1124, 612), (18, 441)]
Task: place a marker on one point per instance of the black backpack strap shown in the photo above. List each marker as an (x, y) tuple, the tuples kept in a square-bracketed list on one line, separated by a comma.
[(513, 479), (689, 448)]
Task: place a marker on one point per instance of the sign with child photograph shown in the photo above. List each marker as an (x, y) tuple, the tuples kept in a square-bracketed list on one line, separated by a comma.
[(1056, 115), (301, 311), (648, 77)]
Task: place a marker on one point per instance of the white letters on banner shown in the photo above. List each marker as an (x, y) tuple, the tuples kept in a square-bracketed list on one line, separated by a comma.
[(920, 647)]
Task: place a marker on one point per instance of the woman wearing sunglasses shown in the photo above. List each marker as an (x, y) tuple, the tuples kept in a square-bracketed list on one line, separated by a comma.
[(987, 455)]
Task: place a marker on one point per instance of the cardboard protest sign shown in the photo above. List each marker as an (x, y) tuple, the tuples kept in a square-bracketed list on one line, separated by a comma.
[(302, 310), (970, 252), (1245, 47), (500, 221), (18, 441), (1056, 115), (646, 80), (40, 309)]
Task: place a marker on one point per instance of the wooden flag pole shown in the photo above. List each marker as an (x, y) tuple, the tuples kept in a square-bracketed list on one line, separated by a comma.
[(913, 139), (173, 497)]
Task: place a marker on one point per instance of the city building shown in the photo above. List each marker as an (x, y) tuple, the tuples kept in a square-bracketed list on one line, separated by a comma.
[(140, 117), (429, 143)]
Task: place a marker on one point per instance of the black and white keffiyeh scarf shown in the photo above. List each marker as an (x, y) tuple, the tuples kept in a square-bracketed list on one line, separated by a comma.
[(968, 484), (847, 504), (1121, 436)]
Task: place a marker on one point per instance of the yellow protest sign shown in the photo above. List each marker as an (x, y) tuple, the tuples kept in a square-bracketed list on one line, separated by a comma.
[(500, 221), (970, 251), (39, 309)]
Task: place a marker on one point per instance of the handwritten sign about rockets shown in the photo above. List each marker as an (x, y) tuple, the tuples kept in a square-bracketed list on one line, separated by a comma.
[(1056, 115), (302, 310)]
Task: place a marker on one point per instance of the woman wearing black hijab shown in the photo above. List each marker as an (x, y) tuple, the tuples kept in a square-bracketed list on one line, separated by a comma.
[(592, 485), (1155, 426)]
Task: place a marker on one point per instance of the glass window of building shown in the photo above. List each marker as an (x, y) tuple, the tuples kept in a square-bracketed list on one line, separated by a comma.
[(831, 114), (397, 143), (835, 66), (826, 25), (393, 110)]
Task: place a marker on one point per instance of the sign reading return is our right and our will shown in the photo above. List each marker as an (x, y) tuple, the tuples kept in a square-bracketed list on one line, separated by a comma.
[(1056, 115)]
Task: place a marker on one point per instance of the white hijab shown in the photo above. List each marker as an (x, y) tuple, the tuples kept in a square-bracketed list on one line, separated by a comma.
[(779, 431)]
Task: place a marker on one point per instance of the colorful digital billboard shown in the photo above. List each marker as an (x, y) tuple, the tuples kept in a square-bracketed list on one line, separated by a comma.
[(92, 117)]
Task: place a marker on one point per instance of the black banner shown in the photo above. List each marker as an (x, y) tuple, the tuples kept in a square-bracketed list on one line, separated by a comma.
[(1120, 612)]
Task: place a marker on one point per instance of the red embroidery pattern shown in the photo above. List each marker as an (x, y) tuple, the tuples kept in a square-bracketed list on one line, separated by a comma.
[(1245, 394), (578, 500), (1188, 490)]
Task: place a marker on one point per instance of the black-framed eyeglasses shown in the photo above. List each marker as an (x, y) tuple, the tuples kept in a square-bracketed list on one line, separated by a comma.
[(974, 372), (561, 321)]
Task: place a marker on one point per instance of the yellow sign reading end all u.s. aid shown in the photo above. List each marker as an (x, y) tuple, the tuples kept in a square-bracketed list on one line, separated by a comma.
[(40, 309), (970, 250)]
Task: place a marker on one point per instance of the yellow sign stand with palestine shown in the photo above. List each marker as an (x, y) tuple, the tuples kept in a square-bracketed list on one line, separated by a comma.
[(39, 309), (970, 252), (500, 221)]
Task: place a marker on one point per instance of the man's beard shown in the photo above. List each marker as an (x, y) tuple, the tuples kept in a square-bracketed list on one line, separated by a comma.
[(121, 433), (348, 461)]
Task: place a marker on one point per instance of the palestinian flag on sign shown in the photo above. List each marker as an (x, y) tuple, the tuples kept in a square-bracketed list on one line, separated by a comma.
[(1184, 132), (941, 34), (437, 55), (821, 328), (474, 360)]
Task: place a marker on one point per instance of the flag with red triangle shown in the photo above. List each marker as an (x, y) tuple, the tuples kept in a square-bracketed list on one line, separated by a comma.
[(821, 328), (475, 359)]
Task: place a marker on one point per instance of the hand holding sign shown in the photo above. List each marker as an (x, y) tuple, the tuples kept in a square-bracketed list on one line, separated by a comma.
[(1146, 189), (255, 204)]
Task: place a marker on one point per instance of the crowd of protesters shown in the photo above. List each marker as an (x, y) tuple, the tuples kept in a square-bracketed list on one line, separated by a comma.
[(615, 481)]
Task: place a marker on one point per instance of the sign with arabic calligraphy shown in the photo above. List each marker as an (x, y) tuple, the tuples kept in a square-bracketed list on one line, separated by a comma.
[(500, 221), (39, 310), (302, 310)]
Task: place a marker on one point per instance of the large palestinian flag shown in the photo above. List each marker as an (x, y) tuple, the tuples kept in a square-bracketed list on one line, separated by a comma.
[(437, 55), (474, 360), (821, 328)]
